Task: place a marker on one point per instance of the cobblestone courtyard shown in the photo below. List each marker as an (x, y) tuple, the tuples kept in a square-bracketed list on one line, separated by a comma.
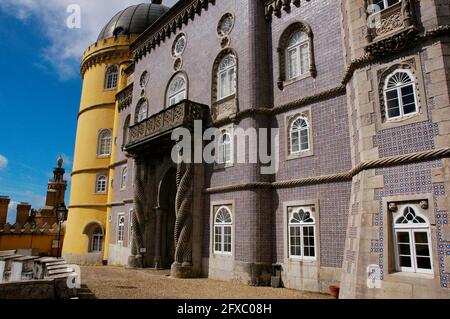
[(120, 283)]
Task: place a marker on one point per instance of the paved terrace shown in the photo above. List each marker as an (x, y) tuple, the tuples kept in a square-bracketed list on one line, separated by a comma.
[(120, 283)]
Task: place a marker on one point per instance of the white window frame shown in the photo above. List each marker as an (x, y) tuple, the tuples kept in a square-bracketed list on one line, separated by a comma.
[(222, 227), (178, 95), (230, 74), (297, 49), (111, 77), (302, 226), (130, 227), (97, 241), (386, 4), (120, 228), (299, 131), (99, 187), (411, 229), (104, 143), (140, 114), (124, 178), (225, 147), (398, 89)]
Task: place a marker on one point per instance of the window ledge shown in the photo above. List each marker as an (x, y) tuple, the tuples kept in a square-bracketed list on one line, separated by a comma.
[(293, 156), (412, 275), (297, 79), (226, 98)]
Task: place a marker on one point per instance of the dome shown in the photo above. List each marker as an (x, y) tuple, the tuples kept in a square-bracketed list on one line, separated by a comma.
[(133, 20)]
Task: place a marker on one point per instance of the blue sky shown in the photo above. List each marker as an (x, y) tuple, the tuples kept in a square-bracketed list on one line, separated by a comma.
[(40, 89)]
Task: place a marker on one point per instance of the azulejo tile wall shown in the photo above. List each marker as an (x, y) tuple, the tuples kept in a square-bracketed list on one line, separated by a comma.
[(411, 179)]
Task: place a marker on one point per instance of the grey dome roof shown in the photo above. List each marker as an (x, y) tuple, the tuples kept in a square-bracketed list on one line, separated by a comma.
[(133, 20)]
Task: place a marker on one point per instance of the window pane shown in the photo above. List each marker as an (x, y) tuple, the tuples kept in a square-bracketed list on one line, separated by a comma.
[(422, 250), (405, 261), (423, 263), (404, 249), (403, 237), (421, 237), (304, 59), (292, 63)]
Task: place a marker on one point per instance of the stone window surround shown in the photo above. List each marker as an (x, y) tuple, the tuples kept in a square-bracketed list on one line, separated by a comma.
[(231, 204), (389, 264), (230, 130), (225, 15), (88, 230), (288, 118), (107, 67), (177, 73), (294, 27), (286, 205), (96, 181), (138, 105), (215, 102), (380, 73), (100, 131)]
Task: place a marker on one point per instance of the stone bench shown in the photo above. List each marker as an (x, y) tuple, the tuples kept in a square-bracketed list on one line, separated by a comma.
[(58, 271), (7, 253)]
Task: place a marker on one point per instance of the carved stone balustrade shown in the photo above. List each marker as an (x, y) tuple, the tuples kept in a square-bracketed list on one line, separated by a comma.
[(182, 114), (394, 27)]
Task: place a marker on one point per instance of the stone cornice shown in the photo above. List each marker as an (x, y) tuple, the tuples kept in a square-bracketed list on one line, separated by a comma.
[(276, 7), (113, 165), (89, 170), (105, 56), (338, 178), (180, 14), (93, 107)]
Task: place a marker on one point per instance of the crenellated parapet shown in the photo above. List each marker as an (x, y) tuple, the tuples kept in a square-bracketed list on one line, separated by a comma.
[(277, 7), (29, 229)]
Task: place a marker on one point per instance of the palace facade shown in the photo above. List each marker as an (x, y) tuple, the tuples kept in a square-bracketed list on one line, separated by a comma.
[(361, 103)]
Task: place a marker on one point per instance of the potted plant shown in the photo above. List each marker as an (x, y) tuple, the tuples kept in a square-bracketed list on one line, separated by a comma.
[(334, 290)]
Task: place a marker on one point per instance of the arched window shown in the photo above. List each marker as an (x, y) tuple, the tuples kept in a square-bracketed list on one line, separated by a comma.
[(227, 77), (141, 111), (112, 73), (120, 228), (123, 181), (101, 184), (223, 231), (97, 240), (297, 55), (104, 143), (299, 135), (176, 91), (383, 4), (225, 149), (400, 95), (126, 127), (412, 241), (302, 230)]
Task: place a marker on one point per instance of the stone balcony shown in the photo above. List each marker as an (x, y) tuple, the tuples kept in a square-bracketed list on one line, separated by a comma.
[(394, 26), (125, 97), (163, 123)]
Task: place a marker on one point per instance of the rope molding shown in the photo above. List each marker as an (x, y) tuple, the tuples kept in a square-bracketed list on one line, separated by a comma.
[(341, 177), (358, 63), (89, 170)]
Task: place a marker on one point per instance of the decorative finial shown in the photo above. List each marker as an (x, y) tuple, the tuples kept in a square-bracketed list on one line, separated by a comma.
[(60, 161)]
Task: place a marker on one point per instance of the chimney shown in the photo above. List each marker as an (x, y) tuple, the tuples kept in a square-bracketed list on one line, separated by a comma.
[(23, 213), (4, 203)]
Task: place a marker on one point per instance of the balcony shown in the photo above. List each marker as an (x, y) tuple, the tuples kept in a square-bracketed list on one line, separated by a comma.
[(125, 97), (394, 28), (163, 123)]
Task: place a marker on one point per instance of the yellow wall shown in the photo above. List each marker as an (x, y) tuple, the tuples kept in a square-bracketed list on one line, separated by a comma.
[(97, 111), (26, 241)]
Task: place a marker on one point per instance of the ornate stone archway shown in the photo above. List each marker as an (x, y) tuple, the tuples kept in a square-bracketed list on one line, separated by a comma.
[(150, 145)]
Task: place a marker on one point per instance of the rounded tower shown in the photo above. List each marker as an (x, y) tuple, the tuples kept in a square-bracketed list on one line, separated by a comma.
[(86, 240)]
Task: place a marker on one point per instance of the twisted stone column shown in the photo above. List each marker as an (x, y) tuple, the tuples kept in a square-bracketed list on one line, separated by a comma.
[(183, 210), (138, 216)]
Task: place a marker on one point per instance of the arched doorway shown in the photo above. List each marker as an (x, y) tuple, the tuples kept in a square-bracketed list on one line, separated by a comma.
[(166, 214)]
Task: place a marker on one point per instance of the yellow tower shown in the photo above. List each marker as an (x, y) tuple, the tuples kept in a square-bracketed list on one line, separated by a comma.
[(87, 233)]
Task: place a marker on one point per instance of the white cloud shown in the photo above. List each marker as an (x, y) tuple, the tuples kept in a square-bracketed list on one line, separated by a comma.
[(3, 162), (12, 212), (67, 45)]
